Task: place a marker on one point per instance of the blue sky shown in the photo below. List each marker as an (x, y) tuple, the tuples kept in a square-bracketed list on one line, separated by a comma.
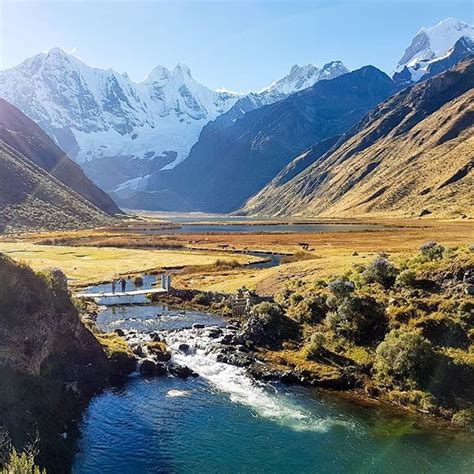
[(239, 45)]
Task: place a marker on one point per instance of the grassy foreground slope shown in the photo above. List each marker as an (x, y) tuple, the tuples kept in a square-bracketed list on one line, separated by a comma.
[(412, 153), (399, 330), (32, 198)]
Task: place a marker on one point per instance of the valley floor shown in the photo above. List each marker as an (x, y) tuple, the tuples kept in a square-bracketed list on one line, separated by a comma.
[(102, 254)]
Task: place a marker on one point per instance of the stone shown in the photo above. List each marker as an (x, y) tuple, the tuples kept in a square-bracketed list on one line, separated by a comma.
[(137, 350), (120, 332), (148, 367), (184, 348), (182, 371), (154, 336), (469, 290), (198, 326), (214, 333)]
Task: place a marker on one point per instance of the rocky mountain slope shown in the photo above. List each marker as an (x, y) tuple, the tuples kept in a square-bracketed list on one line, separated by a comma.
[(414, 153), (435, 49), (33, 199), (229, 164), (23, 135)]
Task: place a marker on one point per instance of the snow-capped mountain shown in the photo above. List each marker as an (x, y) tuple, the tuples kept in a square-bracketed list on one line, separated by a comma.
[(95, 114), (121, 131), (429, 45), (298, 79)]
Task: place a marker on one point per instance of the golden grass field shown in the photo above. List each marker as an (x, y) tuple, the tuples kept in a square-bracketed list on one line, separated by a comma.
[(94, 256), (84, 265)]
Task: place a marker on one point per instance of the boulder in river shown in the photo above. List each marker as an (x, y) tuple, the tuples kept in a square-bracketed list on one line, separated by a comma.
[(184, 348), (198, 326), (148, 367), (182, 371), (214, 333), (159, 350)]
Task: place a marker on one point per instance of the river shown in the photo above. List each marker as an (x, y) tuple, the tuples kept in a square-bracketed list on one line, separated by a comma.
[(224, 422)]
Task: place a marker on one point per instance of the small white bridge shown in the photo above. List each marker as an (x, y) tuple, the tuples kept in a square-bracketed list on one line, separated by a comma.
[(108, 298)]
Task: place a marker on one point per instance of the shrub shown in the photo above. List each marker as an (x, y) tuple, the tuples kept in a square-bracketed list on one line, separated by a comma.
[(463, 418), (381, 271), (359, 319), (403, 358), (310, 310), (15, 462), (423, 400), (268, 325), (316, 345), (406, 279), (466, 312), (201, 299), (296, 298), (432, 251), (444, 331), (341, 288), (283, 297)]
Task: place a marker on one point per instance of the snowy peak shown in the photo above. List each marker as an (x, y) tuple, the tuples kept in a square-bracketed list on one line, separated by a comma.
[(434, 42), (95, 113), (302, 77)]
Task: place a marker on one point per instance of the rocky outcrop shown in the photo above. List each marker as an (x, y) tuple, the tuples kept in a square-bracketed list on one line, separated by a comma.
[(50, 364), (40, 330)]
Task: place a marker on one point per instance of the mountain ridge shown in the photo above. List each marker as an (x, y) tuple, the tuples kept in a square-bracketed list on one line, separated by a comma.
[(229, 164), (410, 153)]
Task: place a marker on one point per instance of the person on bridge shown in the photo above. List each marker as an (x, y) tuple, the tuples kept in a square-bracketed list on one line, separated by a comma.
[(124, 284), (113, 286)]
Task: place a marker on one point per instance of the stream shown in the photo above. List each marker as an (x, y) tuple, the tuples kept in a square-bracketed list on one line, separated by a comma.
[(223, 421)]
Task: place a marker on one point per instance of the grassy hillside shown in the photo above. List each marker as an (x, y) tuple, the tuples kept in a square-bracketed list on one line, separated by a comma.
[(22, 134), (412, 154), (400, 330), (33, 199)]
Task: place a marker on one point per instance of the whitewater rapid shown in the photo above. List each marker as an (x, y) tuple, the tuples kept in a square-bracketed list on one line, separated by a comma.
[(264, 400)]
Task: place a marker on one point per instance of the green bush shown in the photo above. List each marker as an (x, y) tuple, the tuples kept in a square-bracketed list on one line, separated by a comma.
[(341, 289), (269, 326), (432, 251), (381, 271), (406, 279), (423, 400), (359, 319), (201, 299), (466, 312), (315, 346), (21, 463), (403, 358), (463, 418), (310, 310)]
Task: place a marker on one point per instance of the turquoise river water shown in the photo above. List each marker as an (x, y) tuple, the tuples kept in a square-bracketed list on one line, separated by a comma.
[(223, 422)]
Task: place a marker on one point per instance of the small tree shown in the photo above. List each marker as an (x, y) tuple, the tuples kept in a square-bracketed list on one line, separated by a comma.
[(406, 279), (310, 310), (403, 358)]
